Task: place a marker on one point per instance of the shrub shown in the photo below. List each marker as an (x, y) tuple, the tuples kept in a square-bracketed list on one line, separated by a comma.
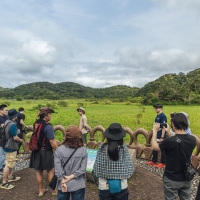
[(62, 103)]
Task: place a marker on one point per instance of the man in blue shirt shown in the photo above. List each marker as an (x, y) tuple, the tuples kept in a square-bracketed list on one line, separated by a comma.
[(161, 134), (10, 131), (42, 159)]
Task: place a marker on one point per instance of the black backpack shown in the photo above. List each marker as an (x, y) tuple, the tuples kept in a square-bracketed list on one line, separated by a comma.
[(3, 139)]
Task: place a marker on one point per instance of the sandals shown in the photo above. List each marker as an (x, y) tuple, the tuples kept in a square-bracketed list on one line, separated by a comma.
[(7, 186), (13, 178), (54, 193), (45, 191)]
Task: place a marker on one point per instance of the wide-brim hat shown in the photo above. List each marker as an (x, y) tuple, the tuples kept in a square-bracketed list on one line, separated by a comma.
[(73, 132), (45, 110), (82, 109), (115, 132), (12, 113)]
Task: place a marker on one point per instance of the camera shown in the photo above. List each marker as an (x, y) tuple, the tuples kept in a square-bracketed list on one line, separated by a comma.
[(163, 125)]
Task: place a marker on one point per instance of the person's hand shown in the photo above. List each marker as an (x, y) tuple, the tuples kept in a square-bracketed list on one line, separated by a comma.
[(68, 178), (156, 127), (167, 129), (64, 187)]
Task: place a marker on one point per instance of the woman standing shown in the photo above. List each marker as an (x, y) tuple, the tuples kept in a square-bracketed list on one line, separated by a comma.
[(71, 179), (113, 165)]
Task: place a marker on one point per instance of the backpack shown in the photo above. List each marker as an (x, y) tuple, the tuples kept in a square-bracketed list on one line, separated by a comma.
[(37, 139), (3, 139)]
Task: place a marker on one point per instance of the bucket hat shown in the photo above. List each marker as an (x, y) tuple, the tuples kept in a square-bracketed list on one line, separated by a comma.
[(12, 113), (82, 109), (45, 110), (73, 132), (115, 132)]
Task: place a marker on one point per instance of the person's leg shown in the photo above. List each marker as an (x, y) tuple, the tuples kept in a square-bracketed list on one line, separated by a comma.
[(2, 158), (50, 174), (198, 192), (39, 179), (105, 195), (84, 138), (123, 195), (155, 156), (185, 190), (79, 194), (170, 189), (10, 164), (63, 195)]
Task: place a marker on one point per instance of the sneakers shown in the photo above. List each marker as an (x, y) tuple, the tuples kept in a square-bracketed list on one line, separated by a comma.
[(151, 163), (13, 178), (7, 186), (160, 165)]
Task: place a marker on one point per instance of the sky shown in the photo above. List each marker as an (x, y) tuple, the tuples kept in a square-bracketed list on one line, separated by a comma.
[(97, 43)]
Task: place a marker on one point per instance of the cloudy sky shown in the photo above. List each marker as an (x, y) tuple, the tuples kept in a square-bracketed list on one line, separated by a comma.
[(97, 43)]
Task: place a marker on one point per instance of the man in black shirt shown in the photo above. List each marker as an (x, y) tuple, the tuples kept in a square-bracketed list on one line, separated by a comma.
[(20, 124), (174, 180)]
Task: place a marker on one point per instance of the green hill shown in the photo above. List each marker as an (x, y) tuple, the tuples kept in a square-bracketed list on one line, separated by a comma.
[(66, 90), (168, 89)]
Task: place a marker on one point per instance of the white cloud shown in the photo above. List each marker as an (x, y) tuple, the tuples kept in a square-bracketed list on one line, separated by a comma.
[(97, 43)]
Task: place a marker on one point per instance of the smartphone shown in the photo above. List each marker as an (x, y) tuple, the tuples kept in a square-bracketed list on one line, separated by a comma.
[(163, 125)]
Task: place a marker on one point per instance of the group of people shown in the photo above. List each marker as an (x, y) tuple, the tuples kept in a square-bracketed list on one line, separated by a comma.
[(113, 165), (176, 144)]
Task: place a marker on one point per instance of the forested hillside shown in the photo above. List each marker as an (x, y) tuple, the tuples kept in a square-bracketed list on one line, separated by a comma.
[(168, 89), (173, 89), (67, 90)]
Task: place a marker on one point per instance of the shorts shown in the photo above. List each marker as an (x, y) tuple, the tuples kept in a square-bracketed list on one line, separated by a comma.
[(42, 160), (11, 159)]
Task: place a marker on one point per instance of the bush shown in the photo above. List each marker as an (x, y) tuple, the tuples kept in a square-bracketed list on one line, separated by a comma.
[(62, 103)]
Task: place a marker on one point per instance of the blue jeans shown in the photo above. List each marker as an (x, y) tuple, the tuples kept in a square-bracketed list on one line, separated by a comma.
[(106, 195), (76, 195), (2, 157)]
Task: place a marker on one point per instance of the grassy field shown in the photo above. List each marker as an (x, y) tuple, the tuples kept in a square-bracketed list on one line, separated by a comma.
[(104, 113)]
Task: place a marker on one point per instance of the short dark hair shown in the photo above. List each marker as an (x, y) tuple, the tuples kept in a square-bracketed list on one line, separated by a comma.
[(180, 121), (21, 109), (42, 116), (2, 106), (73, 142)]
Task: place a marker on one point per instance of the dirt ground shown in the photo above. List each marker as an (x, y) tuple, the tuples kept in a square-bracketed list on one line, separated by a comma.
[(144, 185)]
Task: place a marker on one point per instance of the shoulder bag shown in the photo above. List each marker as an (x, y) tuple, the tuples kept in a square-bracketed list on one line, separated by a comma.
[(189, 169), (54, 179)]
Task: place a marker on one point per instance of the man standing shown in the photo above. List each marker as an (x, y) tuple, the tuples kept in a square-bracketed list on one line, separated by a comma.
[(3, 118), (10, 132), (83, 124), (20, 122), (161, 135), (42, 159), (174, 180)]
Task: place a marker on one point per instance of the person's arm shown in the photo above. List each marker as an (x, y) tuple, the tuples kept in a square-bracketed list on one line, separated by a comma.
[(53, 143), (22, 123), (13, 132), (163, 120), (84, 120), (154, 143), (59, 171), (49, 132), (81, 170)]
